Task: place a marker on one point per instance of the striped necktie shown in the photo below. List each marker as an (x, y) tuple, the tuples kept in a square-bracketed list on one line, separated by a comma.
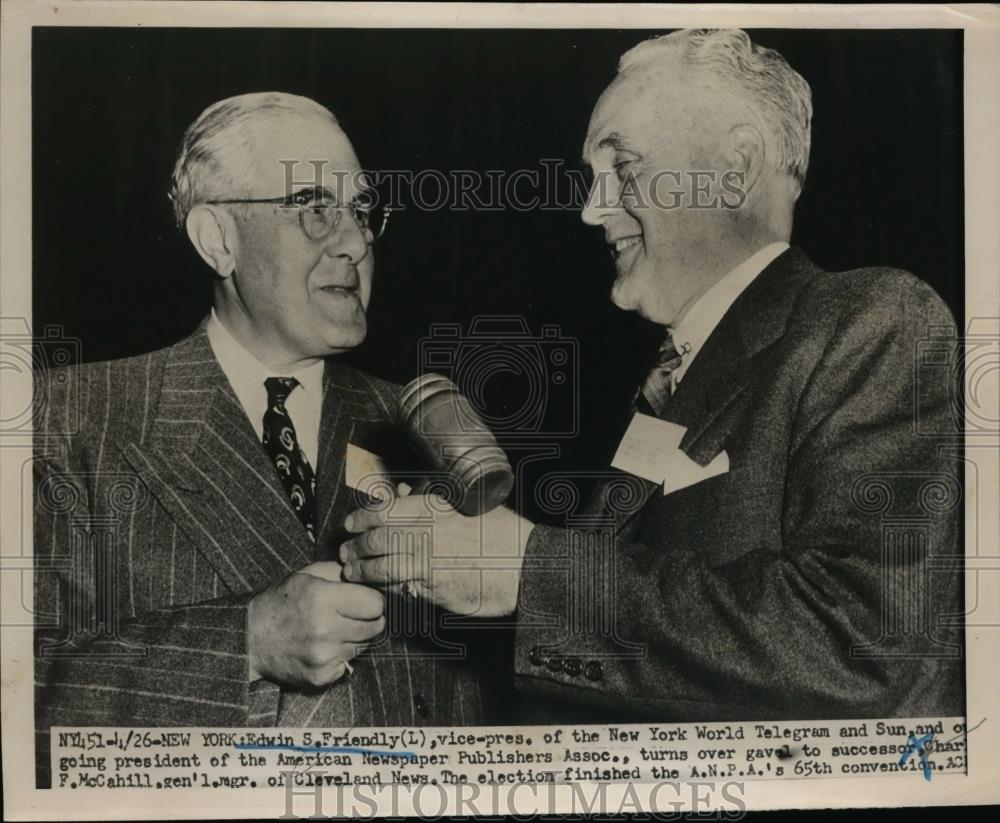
[(652, 398)]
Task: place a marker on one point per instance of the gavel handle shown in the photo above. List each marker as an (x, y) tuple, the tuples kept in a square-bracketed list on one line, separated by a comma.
[(437, 484)]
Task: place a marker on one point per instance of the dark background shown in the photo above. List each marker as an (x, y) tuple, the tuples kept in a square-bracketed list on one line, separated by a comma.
[(110, 105)]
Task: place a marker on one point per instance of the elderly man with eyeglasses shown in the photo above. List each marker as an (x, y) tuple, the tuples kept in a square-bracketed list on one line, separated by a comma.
[(220, 600)]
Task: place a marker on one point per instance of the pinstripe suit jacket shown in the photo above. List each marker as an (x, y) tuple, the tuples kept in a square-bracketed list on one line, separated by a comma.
[(158, 516)]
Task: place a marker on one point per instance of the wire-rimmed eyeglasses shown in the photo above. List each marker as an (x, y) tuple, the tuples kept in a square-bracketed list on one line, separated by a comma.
[(320, 212)]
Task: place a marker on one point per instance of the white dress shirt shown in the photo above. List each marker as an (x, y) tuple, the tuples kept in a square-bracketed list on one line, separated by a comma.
[(246, 374), (697, 325)]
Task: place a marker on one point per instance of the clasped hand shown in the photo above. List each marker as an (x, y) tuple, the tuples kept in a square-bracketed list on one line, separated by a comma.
[(304, 630), (467, 565)]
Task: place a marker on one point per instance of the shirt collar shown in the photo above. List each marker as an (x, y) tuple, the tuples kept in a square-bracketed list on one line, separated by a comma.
[(247, 374), (701, 319)]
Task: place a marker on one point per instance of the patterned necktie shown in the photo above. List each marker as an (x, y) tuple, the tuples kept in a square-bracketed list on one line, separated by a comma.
[(282, 446), (652, 398)]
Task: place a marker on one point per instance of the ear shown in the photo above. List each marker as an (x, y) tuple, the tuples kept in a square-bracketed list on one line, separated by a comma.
[(746, 153), (214, 236)]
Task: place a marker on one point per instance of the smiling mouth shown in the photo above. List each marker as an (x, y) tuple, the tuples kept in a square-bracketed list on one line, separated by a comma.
[(340, 289), (623, 244)]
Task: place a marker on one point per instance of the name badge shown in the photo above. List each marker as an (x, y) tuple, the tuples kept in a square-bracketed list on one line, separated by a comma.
[(650, 449), (366, 472)]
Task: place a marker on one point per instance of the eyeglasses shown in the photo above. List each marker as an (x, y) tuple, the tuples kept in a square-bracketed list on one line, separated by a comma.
[(320, 213)]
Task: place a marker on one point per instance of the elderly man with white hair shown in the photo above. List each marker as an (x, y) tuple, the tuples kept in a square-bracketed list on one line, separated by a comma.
[(211, 477), (775, 537)]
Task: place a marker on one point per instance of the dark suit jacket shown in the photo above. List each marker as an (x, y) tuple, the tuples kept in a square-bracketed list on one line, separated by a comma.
[(820, 577), (158, 516)]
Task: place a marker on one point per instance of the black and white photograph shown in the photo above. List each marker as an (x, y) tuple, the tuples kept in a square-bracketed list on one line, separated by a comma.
[(499, 405)]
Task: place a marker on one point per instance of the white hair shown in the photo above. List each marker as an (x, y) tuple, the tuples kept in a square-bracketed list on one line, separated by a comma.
[(213, 156), (757, 81)]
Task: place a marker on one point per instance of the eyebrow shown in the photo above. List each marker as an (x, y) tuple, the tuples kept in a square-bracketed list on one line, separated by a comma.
[(313, 190), (613, 141)]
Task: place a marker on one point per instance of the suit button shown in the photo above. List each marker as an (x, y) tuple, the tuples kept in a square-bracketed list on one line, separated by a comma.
[(555, 663), (420, 704), (536, 656), (572, 666), (593, 670)]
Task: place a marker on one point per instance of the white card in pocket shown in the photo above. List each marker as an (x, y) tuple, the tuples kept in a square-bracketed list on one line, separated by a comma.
[(366, 472), (650, 449)]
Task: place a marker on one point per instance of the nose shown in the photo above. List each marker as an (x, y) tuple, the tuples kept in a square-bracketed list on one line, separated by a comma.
[(601, 202), (348, 240)]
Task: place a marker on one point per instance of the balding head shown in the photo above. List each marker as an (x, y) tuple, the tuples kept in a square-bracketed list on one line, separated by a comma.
[(216, 158)]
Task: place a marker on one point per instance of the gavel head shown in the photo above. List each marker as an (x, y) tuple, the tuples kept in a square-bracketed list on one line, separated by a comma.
[(448, 433)]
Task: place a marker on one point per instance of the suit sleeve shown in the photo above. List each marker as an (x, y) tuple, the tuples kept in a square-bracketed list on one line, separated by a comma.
[(185, 665), (780, 630)]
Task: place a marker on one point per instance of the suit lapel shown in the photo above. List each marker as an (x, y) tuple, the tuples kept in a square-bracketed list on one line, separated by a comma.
[(203, 462), (733, 354), (728, 363), (337, 424), (353, 413), (718, 375)]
